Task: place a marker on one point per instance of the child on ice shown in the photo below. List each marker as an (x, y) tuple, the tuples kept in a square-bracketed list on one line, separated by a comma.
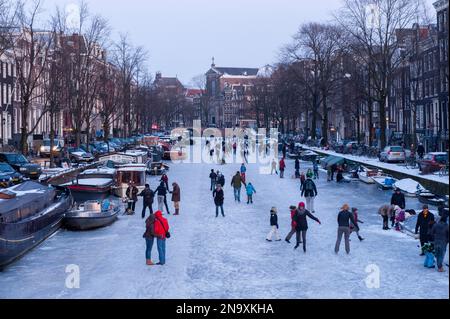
[(274, 225), (250, 190)]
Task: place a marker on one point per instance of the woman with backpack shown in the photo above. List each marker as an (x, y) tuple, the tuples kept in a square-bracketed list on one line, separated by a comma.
[(309, 190)]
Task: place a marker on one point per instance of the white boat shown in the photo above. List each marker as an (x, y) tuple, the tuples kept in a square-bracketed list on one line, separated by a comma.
[(130, 172), (409, 187), (385, 181), (366, 175)]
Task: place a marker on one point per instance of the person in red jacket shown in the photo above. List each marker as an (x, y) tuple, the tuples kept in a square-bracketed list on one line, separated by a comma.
[(161, 229), (282, 167), (293, 225)]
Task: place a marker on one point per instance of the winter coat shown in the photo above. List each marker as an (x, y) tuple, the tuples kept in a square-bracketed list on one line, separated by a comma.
[(309, 188), (315, 167), (132, 193), (213, 176), (148, 195), (149, 227), (250, 189), (274, 165), (273, 220), (243, 169), (297, 164), (161, 190), (282, 165), (420, 150), (345, 218), (221, 180), (237, 181), (440, 233), (399, 200), (218, 197), (355, 218), (301, 220), (385, 210), (293, 222), (161, 226), (423, 222), (165, 179), (176, 193)]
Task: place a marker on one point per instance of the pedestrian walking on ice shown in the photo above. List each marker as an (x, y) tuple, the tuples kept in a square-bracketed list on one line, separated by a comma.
[(132, 197), (274, 167), (148, 197), (176, 197), (386, 211), (316, 169), (344, 219), (297, 168), (301, 222), (440, 235), (424, 219), (219, 199), (213, 178), (236, 183), (357, 221), (243, 171), (162, 197), (149, 237), (274, 225), (293, 210), (161, 230), (309, 190), (282, 167), (250, 190)]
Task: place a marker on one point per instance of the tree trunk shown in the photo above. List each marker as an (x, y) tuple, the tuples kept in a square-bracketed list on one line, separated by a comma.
[(314, 117), (383, 122), (24, 128), (52, 140), (325, 119)]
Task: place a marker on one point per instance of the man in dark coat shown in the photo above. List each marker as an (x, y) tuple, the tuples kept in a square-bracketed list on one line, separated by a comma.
[(213, 178), (440, 235), (344, 219), (398, 198), (301, 223), (132, 193), (220, 179), (297, 168), (148, 196), (162, 197), (424, 219), (219, 199), (420, 150)]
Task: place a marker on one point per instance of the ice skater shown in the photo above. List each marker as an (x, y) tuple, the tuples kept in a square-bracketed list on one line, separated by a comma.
[(219, 199), (309, 190), (344, 219), (274, 226), (282, 167), (213, 178), (302, 224), (250, 191), (293, 210)]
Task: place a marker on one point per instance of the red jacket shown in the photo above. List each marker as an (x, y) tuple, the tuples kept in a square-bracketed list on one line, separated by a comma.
[(161, 226), (293, 223), (165, 179), (282, 164)]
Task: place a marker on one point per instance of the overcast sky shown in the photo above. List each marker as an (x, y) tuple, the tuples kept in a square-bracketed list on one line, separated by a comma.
[(182, 36)]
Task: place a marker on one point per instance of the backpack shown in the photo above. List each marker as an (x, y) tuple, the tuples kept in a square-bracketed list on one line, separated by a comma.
[(309, 187)]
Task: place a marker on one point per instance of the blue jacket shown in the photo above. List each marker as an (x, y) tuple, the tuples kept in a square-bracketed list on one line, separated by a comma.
[(250, 189), (243, 169)]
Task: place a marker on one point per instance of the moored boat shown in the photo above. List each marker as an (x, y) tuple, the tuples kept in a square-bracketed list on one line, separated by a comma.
[(91, 215), (385, 182), (29, 213), (429, 198), (93, 184), (136, 173), (366, 175), (409, 187)]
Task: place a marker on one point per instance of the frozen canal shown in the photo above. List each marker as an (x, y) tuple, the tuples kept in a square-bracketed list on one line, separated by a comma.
[(229, 257)]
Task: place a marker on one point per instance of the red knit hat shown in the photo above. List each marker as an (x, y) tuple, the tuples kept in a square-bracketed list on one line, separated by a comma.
[(301, 204)]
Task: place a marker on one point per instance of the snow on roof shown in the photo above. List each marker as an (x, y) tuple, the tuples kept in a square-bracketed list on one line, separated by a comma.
[(94, 181), (409, 185), (100, 170), (133, 168), (265, 72)]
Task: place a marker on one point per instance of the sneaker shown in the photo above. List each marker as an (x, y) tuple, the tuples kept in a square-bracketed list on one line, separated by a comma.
[(268, 240)]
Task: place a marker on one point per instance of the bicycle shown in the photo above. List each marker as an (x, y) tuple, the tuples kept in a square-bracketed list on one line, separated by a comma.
[(411, 163), (443, 171)]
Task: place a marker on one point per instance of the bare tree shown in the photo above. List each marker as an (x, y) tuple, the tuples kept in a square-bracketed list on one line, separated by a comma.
[(129, 60), (31, 53), (9, 12), (372, 25), (199, 82)]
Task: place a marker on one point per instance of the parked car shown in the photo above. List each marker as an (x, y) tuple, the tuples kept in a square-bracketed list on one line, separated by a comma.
[(7, 170), (21, 165), (44, 150), (78, 155), (433, 162), (393, 154)]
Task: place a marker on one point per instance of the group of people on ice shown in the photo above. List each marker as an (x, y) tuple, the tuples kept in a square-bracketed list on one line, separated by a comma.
[(433, 236), (156, 226)]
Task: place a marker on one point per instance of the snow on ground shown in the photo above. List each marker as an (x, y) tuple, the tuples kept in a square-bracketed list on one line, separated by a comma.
[(401, 168), (210, 257)]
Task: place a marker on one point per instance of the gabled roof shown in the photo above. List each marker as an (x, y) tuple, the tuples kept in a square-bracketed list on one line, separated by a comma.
[(168, 82)]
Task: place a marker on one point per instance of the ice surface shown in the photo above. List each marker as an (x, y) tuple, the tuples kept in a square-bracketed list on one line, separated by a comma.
[(229, 257)]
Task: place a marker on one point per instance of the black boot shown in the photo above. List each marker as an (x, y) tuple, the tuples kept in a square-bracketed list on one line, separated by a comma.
[(287, 240), (296, 246), (360, 238)]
